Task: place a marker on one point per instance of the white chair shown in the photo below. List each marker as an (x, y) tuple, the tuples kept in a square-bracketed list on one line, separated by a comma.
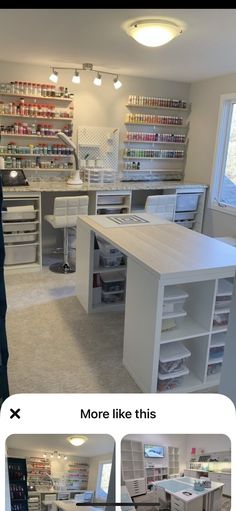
[(65, 214), (163, 205)]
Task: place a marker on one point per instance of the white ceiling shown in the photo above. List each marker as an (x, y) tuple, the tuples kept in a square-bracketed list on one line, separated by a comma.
[(94, 446), (72, 36)]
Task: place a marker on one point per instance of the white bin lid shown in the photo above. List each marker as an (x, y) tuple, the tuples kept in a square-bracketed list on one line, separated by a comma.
[(176, 374), (113, 276), (173, 351)]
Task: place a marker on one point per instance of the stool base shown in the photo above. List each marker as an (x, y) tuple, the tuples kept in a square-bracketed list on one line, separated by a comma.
[(62, 268)]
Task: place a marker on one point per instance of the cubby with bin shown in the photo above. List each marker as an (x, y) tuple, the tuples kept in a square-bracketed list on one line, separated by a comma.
[(133, 471)]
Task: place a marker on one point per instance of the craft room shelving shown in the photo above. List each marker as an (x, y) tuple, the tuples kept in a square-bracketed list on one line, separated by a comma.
[(144, 151), (32, 109)]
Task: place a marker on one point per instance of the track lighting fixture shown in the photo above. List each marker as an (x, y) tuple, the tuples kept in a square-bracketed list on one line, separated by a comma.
[(98, 80), (86, 67), (76, 77), (117, 83), (53, 76)]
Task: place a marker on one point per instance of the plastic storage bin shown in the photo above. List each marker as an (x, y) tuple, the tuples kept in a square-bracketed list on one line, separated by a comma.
[(111, 261), (173, 307), (169, 382), (189, 215), (221, 319), (11, 227), (18, 213), (216, 352), (106, 248), (222, 302), (20, 237), (187, 201), (214, 368), (20, 254), (111, 297), (112, 282), (173, 357)]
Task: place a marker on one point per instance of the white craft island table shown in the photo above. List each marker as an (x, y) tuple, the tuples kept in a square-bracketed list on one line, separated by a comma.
[(68, 505), (164, 262), (183, 497)]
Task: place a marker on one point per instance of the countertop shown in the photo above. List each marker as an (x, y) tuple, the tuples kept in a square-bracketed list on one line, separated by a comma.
[(171, 487), (62, 186), (166, 249)]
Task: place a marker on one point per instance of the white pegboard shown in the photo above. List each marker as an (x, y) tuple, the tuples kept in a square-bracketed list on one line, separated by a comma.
[(100, 143)]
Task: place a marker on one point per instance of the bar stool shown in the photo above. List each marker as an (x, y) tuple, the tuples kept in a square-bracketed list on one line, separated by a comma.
[(65, 214), (163, 205)]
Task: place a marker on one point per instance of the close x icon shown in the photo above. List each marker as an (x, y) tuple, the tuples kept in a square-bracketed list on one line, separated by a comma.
[(15, 413)]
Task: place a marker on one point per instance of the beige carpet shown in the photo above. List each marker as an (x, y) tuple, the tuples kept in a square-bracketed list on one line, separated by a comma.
[(54, 345)]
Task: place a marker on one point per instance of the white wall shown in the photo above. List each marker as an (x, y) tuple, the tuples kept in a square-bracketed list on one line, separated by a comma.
[(93, 468), (205, 99), (97, 106), (207, 443), (163, 440)]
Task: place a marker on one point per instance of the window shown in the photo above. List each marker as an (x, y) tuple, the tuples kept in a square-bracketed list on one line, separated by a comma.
[(223, 189), (104, 471)]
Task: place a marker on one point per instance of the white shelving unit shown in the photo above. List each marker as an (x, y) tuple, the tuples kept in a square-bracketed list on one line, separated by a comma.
[(34, 501), (105, 202), (156, 473), (173, 462), (190, 284), (22, 231), (15, 157), (132, 467), (155, 143)]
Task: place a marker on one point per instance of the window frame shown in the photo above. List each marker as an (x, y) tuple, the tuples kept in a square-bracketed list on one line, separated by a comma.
[(227, 101), (99, 492)]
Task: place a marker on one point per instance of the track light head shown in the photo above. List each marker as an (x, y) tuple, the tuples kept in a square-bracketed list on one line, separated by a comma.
[(76, 77), (53, 76), (98, 80), (117, 83)]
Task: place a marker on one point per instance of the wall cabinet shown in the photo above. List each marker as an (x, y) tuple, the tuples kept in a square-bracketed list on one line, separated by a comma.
[(155, 143), (29, 126), (21, 219)]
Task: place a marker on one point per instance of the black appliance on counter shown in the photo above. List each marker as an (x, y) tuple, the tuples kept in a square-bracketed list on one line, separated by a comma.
[(13, 177)]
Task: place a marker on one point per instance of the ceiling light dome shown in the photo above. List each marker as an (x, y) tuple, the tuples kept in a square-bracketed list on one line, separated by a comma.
[(154, 31), (77, 440)]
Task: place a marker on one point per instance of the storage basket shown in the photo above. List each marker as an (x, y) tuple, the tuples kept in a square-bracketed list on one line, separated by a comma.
[(214, 368), (173, 357), (106, 248), (20, 237), (18, 213), (11, 227)]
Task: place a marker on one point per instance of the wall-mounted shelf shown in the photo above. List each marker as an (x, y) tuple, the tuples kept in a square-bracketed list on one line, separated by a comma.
[(13, 135), (36, 96), (69, 119), (129, 105), (140, 123)]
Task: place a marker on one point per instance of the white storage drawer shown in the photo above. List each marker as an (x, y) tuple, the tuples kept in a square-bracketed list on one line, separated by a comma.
[(20, 238), (11, 227), (20, 254), (187, 201), (189, 215), (19, 213), (136, 486), (177, 504)]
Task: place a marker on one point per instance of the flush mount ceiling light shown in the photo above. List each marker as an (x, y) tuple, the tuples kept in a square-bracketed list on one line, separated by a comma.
[(77, 440), (87, 66), (154, 31)]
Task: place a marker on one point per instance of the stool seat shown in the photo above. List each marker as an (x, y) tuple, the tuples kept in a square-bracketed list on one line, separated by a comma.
[(65, 214)]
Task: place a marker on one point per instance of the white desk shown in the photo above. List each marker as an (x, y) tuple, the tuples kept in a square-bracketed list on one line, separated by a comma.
[(159, 255), (208, 499), (68, 505)]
